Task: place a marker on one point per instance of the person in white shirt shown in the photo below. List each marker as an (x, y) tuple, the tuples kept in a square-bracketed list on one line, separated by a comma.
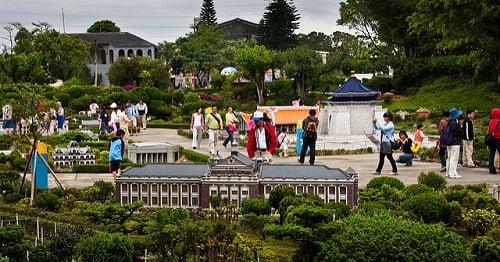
[(197, 126), (8, 122), (142, 108), (115, 118), (94, 110)]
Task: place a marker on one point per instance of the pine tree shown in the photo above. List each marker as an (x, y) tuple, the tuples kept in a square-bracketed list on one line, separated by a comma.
[(207, 14), (276, 28)]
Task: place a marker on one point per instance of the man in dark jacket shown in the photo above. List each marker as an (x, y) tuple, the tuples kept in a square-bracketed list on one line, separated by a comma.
[(309, 124), (455, 134), (468, 129)]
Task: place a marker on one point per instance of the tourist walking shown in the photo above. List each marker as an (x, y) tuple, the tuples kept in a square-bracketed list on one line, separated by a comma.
[(142, 109), (387, 133), (132, 115), (94, 110), (406, 144), (494, 129), (442, 148), (197, 126), (231, 126), (124, 121), (453, 136), (115, 118), (468, 142), (116, 151), (309, 124), (103, 120), (214, 124), (262, 138)]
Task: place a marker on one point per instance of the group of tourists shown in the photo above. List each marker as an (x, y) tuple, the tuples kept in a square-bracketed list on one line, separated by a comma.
[(129, 117), (262, 138), (455, 129)]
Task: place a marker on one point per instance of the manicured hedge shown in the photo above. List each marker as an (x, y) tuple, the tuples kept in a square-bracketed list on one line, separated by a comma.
[(99, 168)]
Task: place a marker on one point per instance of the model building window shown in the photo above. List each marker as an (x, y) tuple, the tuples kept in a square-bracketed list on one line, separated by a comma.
[(135, 188), (194, 189), (321, 190), (299, 189), (194, 201), (310, 189), (184, 188), (174, 189)]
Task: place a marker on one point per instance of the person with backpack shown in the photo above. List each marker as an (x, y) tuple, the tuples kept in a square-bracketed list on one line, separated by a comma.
[(310, 125), (452, 137), (214, 124), (387, 133), (442, 148), (116, 151)]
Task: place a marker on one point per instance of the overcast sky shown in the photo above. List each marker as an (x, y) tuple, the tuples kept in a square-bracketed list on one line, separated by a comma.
[(156, 20)]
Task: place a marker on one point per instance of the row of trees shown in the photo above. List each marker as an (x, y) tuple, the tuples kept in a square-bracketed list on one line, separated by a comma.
[(425, 222)]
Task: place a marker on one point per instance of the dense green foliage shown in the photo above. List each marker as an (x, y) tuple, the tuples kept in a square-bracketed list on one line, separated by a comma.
[(429, 207), (277, 26), (385, 238), (103, 26), (207, 13), (106, 248)]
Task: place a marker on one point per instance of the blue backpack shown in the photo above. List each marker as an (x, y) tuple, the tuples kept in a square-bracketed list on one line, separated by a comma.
[(446, 138)]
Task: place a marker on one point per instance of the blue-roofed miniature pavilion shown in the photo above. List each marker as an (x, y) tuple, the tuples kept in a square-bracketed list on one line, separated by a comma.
[(347, 118), (352, 91)]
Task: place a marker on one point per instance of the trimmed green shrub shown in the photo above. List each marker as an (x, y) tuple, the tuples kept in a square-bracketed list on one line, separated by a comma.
[(415, 189), (258, 206), (485, 249), (105, 248), (378, 182), (430, 207), (433, 180), (385, 238)]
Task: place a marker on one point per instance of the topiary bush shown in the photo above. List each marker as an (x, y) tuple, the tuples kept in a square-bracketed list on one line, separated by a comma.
[(415, 189), (386, 238), (485, 249), (378, 182), (433, 180), (429, 207)]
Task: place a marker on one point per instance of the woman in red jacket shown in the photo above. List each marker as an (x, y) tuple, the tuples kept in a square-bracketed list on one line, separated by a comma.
[(494, 129), (262, 139)]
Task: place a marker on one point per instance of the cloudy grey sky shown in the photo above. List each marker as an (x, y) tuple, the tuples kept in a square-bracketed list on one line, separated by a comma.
[(156, 20)]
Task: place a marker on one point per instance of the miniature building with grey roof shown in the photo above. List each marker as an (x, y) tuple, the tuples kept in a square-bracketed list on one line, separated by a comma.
[(73, 154), (153, 152), (235, 177)]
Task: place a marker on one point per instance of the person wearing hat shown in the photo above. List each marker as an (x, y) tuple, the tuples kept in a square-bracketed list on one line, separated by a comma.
[(453, 146), (262, 139), (309, 137), (115, 118)]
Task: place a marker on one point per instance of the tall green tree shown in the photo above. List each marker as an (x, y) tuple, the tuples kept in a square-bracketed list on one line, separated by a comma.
[(207, 13), (470, 28), (317, 41), (255, 61), (103, 26), (276, 29), (200, 50), (302, 63)]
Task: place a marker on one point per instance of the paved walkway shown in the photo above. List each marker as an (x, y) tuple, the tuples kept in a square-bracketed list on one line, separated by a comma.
[(364, 164)]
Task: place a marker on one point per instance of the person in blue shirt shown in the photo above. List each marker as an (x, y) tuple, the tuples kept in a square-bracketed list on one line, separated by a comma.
[(387, 130), (116, 151)]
